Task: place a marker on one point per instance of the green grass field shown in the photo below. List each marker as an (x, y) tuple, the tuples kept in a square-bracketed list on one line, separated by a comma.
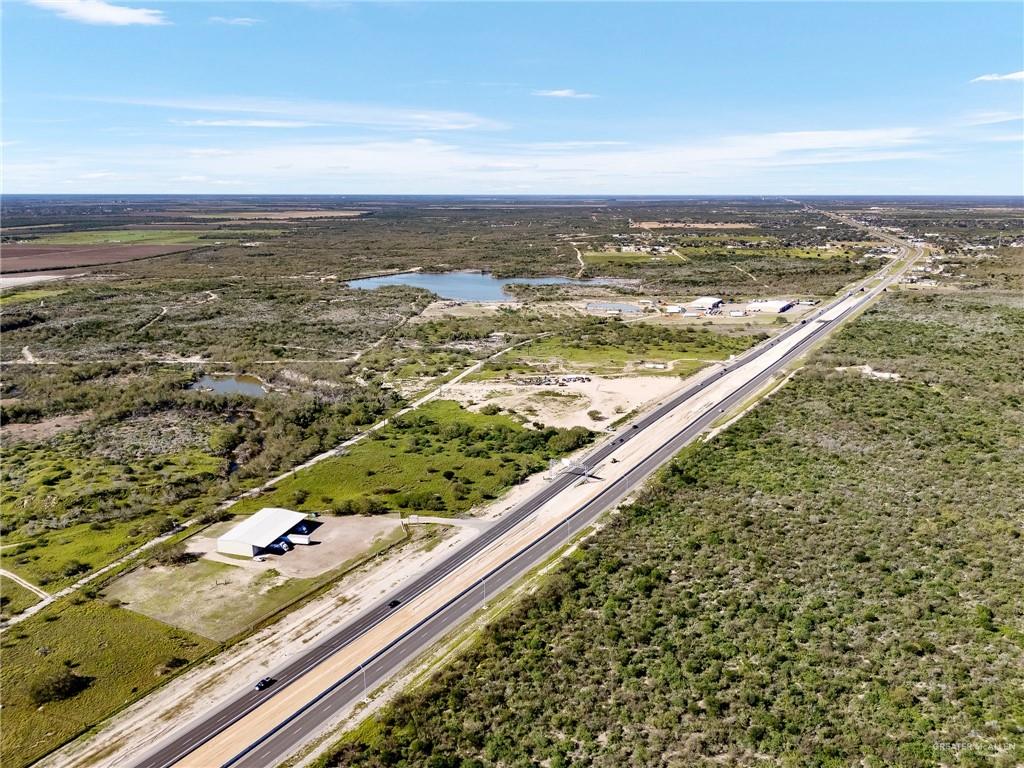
[(119, 653), (32, 294), (52, 559), (148, 236), (37, 477), (611, 347), (440, 458), (14, 598)]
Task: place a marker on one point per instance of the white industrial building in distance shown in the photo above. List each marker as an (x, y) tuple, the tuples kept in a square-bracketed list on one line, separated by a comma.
[(771, 306), (256, 533), (705, 303)]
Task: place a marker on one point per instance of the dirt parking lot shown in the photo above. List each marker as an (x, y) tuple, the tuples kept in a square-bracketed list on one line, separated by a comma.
[(335, 541), (218, 596)]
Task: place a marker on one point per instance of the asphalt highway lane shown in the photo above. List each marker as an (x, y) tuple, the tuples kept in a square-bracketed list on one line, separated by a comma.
[(278, 742)]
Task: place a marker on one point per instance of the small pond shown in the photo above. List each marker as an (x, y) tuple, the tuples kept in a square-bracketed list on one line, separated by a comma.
[(226, 384), (462, 286)]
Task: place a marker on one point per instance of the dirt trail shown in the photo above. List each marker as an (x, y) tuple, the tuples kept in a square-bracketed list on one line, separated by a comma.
[(163, 311), (30, 587), (740, 269)]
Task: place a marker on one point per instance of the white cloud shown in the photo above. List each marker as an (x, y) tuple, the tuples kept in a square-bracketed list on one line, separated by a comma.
[(325, 112), (991, 118), (565, 93), (1007, 137), (101, 12), (562, 145), (247, 123), (235, 21), (751, 162), (995, 77)]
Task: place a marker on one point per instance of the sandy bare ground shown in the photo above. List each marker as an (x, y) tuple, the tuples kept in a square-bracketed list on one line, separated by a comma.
[(449, 308), (692, 225), (219, 596), (335, 541), (568, 406), (40, 430), (19, 281)]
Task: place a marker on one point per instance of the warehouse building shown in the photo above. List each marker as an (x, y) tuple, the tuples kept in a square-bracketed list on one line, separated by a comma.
[(770, 306), (705, 303), (257, 532)]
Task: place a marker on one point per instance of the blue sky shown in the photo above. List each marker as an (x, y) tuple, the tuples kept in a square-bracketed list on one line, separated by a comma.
[(527, 98)]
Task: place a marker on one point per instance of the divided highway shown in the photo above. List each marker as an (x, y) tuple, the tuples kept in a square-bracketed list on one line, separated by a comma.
[(283, 735)]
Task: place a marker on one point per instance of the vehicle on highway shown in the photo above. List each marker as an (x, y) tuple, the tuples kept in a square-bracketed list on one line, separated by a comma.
[(265, 683), (394, 603)]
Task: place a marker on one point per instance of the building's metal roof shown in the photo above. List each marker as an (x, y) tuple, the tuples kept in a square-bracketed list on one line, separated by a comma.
[(705, 301), (265, 527)]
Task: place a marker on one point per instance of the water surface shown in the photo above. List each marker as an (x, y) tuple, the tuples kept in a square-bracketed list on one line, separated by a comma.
[(226, 384), (462, 286)]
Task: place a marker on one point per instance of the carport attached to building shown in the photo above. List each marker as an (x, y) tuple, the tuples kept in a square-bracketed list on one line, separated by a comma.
[(256, 533)]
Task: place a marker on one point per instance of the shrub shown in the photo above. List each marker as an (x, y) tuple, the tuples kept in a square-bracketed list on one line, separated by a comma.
[(57, 686)]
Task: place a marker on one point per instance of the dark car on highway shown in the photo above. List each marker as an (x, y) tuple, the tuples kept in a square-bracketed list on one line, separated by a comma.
[(265, 683)]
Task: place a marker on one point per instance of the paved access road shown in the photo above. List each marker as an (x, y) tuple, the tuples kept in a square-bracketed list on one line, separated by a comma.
[(281, 738)]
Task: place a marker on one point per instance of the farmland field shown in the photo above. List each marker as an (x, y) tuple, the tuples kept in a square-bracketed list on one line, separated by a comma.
[(30, 258)]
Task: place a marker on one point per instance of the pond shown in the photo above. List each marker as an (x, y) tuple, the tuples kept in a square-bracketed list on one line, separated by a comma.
[(226, 384), (462, 286)]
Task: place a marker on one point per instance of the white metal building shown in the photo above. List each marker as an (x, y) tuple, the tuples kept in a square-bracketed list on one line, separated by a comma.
[(258, 531), (705, 303), (770, 306)]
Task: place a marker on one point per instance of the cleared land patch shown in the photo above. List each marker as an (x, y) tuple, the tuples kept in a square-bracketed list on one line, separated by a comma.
[(593, 404), (219, 597)]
